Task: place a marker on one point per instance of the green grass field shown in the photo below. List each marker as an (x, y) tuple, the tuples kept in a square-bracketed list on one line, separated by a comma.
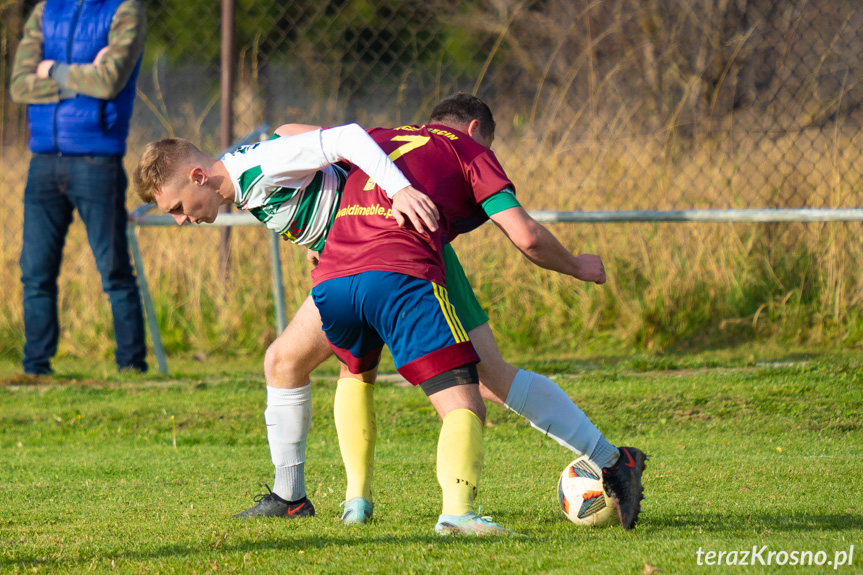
[(745, 451)]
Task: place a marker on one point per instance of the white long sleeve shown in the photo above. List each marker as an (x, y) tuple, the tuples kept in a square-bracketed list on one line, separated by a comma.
[(291, 160), (352, 144)]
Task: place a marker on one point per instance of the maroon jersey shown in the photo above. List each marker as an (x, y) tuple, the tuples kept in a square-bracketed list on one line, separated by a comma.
[(457, 173)]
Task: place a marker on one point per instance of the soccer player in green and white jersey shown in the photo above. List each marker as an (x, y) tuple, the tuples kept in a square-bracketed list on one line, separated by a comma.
[(178, 186), (290, 184)]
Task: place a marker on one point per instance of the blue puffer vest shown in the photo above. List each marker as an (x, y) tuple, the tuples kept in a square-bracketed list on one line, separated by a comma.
[(74, 32)]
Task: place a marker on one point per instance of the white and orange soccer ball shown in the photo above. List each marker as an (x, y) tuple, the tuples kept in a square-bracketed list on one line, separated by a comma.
[(582, 497)]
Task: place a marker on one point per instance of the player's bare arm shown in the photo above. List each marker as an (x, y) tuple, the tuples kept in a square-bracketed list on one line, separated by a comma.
[(540, 246), (409, 204)]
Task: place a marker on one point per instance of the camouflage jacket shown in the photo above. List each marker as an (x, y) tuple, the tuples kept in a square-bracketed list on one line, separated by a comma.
[(105, 80)]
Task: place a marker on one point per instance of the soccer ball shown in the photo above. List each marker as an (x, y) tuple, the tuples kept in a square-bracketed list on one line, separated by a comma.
[(582, 497)]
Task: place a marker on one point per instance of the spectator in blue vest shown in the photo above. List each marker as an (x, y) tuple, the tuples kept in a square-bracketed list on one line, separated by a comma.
[(76, 68)]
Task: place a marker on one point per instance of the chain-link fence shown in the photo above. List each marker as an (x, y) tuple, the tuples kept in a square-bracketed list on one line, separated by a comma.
[(609, 105), (620, 104)]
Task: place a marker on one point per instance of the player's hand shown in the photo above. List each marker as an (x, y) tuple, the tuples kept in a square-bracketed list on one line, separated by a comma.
[(590, 268), (313, 257), (44, 68), (411, 204)]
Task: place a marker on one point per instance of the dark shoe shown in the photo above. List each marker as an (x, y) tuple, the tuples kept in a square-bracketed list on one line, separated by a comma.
[(39, 370), (138, 369), (271, 505), (622, 482)]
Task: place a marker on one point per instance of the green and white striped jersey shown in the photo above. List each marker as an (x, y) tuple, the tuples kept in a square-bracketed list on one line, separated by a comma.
[(299, 204), (293, 184)]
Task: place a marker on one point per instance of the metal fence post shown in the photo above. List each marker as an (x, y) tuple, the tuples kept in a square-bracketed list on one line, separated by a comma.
[(278, 284), (150, 310), (226, 112)]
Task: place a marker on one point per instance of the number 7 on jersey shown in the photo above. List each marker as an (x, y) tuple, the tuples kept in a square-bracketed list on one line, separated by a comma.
[(411, 143)]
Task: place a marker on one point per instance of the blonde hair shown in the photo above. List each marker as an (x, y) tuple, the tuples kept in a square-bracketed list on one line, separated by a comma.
[(160, 163)]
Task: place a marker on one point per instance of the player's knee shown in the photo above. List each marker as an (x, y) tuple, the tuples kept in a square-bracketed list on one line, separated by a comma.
[(281, 363), (271, 361)]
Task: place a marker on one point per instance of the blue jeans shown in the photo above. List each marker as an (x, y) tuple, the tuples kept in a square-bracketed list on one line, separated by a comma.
[(96, 187)]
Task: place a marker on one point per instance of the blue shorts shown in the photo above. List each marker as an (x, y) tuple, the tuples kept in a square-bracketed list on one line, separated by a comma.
[(414, 317)]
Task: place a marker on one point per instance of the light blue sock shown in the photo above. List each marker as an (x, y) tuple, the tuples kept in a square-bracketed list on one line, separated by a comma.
[(548, 409)]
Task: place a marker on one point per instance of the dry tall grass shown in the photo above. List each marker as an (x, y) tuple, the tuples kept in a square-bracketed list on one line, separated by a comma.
[(600, 106), (670, 285)]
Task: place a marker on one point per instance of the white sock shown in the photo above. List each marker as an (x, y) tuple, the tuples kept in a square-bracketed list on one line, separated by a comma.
[(288, 417), (548, 409)]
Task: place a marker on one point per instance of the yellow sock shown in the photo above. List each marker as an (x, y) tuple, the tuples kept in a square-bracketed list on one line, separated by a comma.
[(357, 430), (459, 461)]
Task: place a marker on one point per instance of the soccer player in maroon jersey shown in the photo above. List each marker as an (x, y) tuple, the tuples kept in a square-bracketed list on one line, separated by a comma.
[(378, 283), (301, 347), (383, 269)]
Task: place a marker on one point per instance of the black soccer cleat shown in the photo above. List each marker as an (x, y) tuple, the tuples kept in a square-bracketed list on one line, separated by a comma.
[(622, 482), (271, 505)]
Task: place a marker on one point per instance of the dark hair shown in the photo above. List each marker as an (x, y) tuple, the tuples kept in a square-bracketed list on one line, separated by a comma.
[(460, 108)]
